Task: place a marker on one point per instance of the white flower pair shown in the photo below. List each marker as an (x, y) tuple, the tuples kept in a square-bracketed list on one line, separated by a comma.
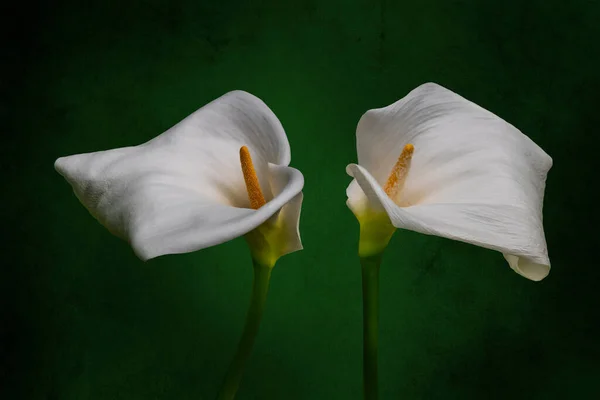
[(433, 162)]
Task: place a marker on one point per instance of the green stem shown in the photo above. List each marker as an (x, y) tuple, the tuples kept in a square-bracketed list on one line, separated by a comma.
[(262, 275), (370, 289)]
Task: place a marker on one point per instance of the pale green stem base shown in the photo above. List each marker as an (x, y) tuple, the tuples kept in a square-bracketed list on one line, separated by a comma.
[(262, 275), (370, 289)]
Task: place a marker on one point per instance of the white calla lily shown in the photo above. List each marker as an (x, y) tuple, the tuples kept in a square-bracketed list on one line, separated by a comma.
[(184, 190), (473, 177)]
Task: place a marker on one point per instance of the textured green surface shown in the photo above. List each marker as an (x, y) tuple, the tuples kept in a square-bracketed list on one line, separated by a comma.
[(83, 318)]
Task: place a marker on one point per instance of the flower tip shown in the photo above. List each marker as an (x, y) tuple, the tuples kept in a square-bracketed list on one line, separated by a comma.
[(409, 148), (59, 165)]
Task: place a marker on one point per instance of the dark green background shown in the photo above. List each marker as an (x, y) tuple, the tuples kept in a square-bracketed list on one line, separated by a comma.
[(83, 318)]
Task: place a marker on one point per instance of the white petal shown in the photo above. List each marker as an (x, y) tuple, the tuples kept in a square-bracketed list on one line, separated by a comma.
[(184, 190), (473, 177), (283, 178), (194, 225)]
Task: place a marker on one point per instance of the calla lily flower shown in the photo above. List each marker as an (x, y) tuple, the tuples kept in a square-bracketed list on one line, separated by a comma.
[(186, 189), (436, 163)]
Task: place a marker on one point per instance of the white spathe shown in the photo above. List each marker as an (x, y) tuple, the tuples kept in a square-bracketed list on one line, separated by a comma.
[(473, 177), (184, 190)]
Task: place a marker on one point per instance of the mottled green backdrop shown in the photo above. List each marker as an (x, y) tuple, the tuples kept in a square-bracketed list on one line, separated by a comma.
[(82, 318)]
